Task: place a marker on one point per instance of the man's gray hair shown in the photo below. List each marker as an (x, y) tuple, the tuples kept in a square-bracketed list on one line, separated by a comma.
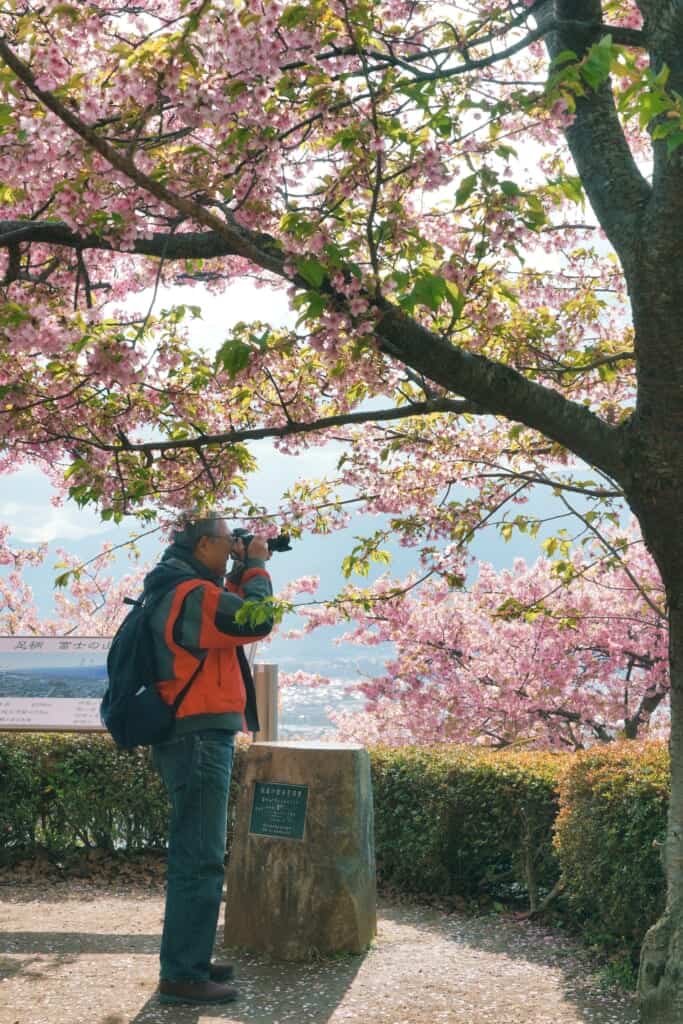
[(193, 526)]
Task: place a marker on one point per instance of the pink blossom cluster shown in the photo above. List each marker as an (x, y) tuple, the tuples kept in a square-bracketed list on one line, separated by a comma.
[(91, 604), (518, 658)]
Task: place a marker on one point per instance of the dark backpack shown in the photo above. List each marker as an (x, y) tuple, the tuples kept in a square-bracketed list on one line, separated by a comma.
[(132, 709)]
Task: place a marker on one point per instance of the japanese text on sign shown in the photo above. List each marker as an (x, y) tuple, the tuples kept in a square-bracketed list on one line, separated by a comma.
[(279, 810)]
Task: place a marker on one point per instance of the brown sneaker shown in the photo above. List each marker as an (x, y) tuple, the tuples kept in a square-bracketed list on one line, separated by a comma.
[(196, 992), (221, 972)]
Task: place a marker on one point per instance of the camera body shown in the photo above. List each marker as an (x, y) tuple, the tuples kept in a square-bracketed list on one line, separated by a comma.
[(279, 543)]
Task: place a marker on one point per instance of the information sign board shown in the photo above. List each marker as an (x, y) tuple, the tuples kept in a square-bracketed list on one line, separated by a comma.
[(56, 683), (52, 682), (279, 810)]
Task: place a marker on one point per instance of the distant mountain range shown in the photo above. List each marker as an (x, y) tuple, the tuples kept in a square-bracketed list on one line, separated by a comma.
[(55, 681), (57, 672)]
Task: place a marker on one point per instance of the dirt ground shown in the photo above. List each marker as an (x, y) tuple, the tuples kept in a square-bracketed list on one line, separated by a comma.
[(84, 952)]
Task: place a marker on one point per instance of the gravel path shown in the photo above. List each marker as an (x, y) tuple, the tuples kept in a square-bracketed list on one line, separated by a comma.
[(79, 953)]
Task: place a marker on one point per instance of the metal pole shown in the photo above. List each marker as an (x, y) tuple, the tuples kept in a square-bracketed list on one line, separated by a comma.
[(265, 684)]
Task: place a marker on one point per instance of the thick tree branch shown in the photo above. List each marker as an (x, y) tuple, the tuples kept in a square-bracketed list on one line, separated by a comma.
[(502, 391), (496, 388), (13, 264), (591, 30), (663, 21), (617, 190), (291, 428), (649, 703), (190, 245)]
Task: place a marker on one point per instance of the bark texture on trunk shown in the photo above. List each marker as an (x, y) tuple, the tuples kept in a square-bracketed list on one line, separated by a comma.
[(660, 980)]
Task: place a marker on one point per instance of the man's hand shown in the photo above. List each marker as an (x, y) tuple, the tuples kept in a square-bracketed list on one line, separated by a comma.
[(258, 548)]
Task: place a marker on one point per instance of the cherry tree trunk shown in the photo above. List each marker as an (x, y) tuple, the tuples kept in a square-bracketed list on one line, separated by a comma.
[(660, 981), (654, 487)]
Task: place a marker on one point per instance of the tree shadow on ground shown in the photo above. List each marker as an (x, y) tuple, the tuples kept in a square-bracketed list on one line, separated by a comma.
[(290, 993), (269, 990), (72, 890), (513, 941), (426, 965), (77, 943)]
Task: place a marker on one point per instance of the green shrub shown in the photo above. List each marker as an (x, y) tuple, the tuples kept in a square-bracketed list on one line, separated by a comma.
[(62, 792), (84, 792), (613, 803), (466, 822), (20, 798)]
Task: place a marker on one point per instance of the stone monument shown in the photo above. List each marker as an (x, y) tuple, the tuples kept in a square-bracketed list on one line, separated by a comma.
[(301, 876)]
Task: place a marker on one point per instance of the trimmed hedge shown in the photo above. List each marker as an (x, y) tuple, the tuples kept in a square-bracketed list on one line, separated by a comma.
[(613, 804), (78, 791), (461, 821), (20, 796), (61, 792)]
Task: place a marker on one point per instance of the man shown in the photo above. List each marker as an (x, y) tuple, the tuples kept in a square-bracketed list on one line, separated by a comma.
[(193, 622)]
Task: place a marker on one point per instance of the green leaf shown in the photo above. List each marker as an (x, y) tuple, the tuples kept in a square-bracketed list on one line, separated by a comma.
[(572, 188), (607, 373), (234, 356), (565, 57), (6, 116), (294, 16), (534, 215), (76, 466), (311, 304), (465, 189), (596, 66), (311, 270), (13, 315), (674, 141), (651, 105), (456, 298), (352, 564), (510, 188), (419, 92), (443, 125), (380, 557), (68, 10), (429, 291)]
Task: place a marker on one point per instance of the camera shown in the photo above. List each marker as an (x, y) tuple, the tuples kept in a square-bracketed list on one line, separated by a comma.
[(279, 543)]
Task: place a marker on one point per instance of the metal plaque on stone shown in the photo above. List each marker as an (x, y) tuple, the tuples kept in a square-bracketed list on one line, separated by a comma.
[(279, 810)]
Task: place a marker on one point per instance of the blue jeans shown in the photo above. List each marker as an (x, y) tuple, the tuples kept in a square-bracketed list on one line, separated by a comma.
[(196, 769)]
